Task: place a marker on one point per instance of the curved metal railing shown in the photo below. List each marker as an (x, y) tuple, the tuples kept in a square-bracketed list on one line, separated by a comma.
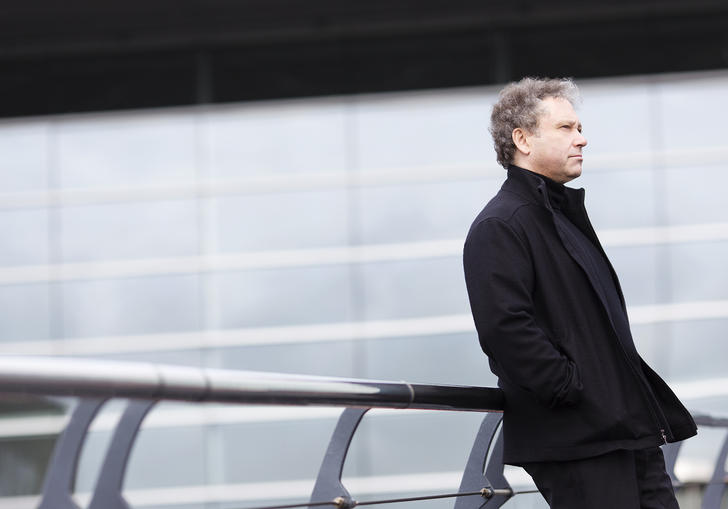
[(483, 481)]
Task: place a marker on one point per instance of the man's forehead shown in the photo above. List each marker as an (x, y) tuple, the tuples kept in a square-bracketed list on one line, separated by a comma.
[(558, 109)]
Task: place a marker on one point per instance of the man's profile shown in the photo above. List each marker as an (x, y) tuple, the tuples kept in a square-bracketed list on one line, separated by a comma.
[(584, 414)]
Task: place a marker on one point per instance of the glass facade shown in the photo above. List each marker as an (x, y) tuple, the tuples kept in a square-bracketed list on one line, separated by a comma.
[(244, 237)]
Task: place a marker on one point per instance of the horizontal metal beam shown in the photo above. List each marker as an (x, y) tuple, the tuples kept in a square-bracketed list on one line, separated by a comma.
[(35, 31), (97, 378)]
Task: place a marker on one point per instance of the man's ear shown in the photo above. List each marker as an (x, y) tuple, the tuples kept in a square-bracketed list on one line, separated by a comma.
[(520, 140)]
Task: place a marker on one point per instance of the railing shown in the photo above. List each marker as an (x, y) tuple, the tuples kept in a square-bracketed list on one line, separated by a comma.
[(483, 481)]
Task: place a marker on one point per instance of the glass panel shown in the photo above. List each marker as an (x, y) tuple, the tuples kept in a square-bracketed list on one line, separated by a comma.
[(698, 269), (277, 138), (649, 337), (395, 443), (280, 221), (698, 349), (694, 194), (25, 457), (638, 269), (25, 237), (423, 129), (619, 199), (167, 457), (412, 288), (126, 149), (616, 117), (268, 451), (339, 358), (443, 359), (129, 230), (130, 306), (421, 212), (24, 312), (283, 296), (689, 107), (192, 357), (23, 464), (698, 456), (24, 165)]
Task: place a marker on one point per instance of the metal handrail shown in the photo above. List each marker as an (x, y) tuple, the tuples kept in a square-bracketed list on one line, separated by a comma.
[(145, 384), (97, 378)]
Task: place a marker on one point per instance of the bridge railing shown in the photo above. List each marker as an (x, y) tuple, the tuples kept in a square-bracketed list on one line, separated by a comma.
[(483, 482)]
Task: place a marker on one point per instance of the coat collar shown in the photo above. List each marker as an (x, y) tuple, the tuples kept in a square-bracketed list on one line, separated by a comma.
[(532, 187)]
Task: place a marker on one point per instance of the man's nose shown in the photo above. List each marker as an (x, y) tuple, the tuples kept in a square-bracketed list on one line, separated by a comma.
[(581, 141)]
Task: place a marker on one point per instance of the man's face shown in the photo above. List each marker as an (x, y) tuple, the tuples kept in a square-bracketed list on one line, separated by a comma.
[(557, 144)]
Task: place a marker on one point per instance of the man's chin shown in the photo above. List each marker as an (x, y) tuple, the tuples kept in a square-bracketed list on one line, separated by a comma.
[(568, 177), (574, 171)]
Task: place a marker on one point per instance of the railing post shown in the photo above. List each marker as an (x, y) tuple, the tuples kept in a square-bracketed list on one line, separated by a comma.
[(494, 486), (107, 494), (328, 485), (58, 482), (714, 490), (671, 451)]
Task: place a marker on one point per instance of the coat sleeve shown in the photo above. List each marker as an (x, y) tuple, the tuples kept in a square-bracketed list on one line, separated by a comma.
[(500, 279)]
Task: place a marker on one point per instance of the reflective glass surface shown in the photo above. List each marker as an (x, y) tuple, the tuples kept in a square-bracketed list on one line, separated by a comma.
[(421, 212), (689, 111), (24, 161), (274, 450), (25, 237), (413, 288), (699, 343), (423, 129), (130, 306), (286, 296), (691, 194), (282, 221), (336, 358), (697, 271), (638, 269), (277, 138), (617, 117), (412, 443), (108, 150), (619, 198), (129, 230), (25, 312), (438, 359)]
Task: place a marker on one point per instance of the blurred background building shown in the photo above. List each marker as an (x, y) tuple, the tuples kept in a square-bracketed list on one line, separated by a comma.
[(285, 186)]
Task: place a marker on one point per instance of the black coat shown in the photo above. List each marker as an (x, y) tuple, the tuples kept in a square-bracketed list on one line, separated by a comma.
[(572, 388)]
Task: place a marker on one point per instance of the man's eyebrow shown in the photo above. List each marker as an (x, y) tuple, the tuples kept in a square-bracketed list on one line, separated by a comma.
[(569, 122)]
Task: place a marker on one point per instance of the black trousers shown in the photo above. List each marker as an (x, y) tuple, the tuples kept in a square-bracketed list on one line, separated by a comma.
[(620, 479)]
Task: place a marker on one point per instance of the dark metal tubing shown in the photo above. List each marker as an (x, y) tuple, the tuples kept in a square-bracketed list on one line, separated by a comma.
[(714, 490), (473, 476), (328, 482), (707, 420), (95, 378), (58, 483), (107, 494), (670, 452)]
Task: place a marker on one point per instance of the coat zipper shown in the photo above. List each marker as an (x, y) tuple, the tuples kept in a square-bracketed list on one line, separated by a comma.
[(640, 379)]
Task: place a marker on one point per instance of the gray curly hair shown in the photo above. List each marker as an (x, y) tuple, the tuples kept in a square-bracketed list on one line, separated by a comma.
[(519, 105)]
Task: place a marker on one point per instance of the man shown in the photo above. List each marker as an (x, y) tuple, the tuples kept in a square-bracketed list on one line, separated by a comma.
[(584, 414)]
